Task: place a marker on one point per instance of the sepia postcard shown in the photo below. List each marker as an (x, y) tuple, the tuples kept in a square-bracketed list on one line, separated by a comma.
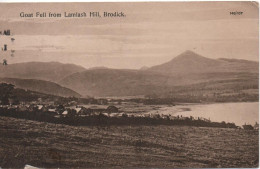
[(129, 84)]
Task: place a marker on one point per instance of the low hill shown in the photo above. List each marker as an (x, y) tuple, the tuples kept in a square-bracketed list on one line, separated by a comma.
[(111, 82), (41, 86), (49, 71), (10, 93)]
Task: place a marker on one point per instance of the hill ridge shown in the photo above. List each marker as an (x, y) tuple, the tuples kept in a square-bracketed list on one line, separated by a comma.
[(48, 71), (41, 86)]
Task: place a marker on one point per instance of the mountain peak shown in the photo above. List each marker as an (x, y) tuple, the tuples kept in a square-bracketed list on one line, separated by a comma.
[(187, 62), (188, 54), (144, 68)]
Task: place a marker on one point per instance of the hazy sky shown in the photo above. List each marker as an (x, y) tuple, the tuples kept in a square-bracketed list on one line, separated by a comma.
[(150, 34)]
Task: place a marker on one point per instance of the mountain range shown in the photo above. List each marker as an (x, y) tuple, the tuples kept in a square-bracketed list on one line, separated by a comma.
[(185, 69)]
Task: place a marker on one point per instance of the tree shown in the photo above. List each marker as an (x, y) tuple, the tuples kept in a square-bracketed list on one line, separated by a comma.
[(60, 109), (6, 93), (256, 126), (71, 113), (5, 62), (5, 100)]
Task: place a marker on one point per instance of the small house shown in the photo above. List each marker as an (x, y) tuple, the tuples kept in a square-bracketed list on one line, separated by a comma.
[(112, 109)]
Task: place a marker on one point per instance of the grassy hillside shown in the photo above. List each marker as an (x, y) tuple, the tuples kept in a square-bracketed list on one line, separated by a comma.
[(17, 95), (244, 87), (52, 145)]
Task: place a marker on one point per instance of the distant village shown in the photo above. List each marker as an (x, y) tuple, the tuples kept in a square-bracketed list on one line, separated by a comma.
[(19, 103), (74, 114)]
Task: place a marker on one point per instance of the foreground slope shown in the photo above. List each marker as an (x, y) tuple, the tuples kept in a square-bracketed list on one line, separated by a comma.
[(52, 145)]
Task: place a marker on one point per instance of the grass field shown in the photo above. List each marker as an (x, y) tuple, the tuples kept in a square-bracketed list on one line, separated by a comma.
[(53, 145)]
